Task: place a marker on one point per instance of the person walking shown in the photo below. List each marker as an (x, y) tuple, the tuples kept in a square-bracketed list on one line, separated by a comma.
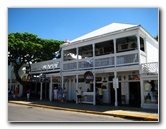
[(100, 96), (16, 92), (28, 94), (65, 95), (10, 93), (60, 94), (55, 94), (79, 95)]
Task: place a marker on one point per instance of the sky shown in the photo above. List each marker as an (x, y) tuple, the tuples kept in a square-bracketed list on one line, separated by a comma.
[(71, 23)]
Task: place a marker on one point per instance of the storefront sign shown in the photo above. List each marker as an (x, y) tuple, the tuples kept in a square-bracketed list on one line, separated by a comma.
[(88, 76), (115, 83)]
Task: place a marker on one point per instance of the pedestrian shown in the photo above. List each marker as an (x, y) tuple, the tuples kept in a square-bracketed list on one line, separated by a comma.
[(65, 95), (28, 94), (16, 92), (60, 94), (55, 94), (10, 93), (100, 95), (79, 95)]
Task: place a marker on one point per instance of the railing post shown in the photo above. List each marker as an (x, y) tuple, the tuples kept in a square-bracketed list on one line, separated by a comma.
[(50, 89), (138, 47), (115, 60), (94, 89)]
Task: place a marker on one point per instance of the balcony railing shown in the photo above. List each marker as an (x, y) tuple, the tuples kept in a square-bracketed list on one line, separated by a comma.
[(126, 58), (149, 68), (51, 65)]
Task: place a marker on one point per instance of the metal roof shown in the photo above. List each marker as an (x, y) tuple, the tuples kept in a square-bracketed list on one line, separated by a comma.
[(105, 30)]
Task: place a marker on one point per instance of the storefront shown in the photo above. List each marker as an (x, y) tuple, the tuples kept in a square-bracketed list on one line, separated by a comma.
[(114, 60), (150, 91)]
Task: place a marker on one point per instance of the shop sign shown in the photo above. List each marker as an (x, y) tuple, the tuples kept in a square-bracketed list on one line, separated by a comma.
[(88, 76), (115, 83), (50, 66)]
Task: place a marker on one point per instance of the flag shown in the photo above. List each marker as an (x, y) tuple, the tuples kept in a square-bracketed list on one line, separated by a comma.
[(67, 41)]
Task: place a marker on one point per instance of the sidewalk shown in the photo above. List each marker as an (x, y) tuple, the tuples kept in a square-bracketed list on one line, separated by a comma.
[(120, 111)]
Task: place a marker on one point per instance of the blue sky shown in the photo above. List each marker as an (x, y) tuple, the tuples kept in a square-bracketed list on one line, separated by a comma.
[(71, 23)]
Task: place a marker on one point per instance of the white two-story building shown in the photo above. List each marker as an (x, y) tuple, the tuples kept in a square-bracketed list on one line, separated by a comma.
[(121, 58)]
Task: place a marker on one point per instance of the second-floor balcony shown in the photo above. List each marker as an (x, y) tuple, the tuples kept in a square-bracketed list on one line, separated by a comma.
[(107, 54), (121, 59), (46, 66), (97, 62)]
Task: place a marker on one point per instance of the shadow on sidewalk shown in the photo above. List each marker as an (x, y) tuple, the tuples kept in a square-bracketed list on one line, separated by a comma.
[(90, 107)]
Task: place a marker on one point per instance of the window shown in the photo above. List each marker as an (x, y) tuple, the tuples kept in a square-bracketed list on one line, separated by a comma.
[(70, 54), (126, 44), (85, 51), (142, 46), (104, 48), (151, 91)]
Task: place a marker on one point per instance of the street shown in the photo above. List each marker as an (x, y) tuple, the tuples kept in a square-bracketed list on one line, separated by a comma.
[(21, 113)]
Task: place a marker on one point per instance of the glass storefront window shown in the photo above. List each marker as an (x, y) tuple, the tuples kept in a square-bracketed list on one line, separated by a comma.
[(151, 91)]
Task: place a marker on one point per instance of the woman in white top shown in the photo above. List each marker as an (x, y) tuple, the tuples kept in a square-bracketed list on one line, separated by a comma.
[(55, 94)]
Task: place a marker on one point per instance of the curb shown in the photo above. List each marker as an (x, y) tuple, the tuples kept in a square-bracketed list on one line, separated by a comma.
[(123, 115)]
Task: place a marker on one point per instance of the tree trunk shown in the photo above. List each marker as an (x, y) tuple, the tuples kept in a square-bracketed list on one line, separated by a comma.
[(18, 78)]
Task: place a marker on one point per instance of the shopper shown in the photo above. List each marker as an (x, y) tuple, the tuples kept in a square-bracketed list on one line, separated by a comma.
[(28, 94), (16, 92), (100, 95), (60, 94), (64, 95), (55, 94), (79, 95)]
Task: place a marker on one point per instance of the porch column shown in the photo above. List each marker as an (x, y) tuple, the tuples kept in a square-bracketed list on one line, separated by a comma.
[(36, 88), (138, 44), (142, 89), (93, 47), (115, 62), (115, 86), (77, 56), (76, 87), (50, 91), (62, 81), (41, 87), (45, 84), (94, 89)]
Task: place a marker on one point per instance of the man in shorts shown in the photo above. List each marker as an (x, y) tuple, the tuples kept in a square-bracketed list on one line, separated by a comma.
[(79, 95)]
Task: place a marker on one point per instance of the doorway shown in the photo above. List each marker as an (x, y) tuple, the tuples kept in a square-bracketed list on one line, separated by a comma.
[(134, 94)]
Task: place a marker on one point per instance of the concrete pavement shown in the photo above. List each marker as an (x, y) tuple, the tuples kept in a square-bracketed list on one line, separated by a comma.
[(120, 111)]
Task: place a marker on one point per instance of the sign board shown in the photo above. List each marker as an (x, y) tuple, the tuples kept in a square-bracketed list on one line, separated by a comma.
[(115, 83), (88, 76), (43, 78)]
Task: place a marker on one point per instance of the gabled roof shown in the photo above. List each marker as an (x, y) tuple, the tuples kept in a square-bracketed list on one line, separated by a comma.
[(105, 30)]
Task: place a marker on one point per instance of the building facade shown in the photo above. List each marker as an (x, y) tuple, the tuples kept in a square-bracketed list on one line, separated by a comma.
[(120, 58)]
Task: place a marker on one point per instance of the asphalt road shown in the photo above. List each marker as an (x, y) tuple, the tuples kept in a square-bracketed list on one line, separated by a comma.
[(22, 113)]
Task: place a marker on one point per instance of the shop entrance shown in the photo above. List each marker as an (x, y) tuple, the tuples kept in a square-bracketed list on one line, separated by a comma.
[(112, 91), (134, 94)]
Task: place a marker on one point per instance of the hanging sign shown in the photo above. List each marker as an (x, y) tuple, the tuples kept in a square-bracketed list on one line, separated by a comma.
[(88, 76), (115, 83)]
